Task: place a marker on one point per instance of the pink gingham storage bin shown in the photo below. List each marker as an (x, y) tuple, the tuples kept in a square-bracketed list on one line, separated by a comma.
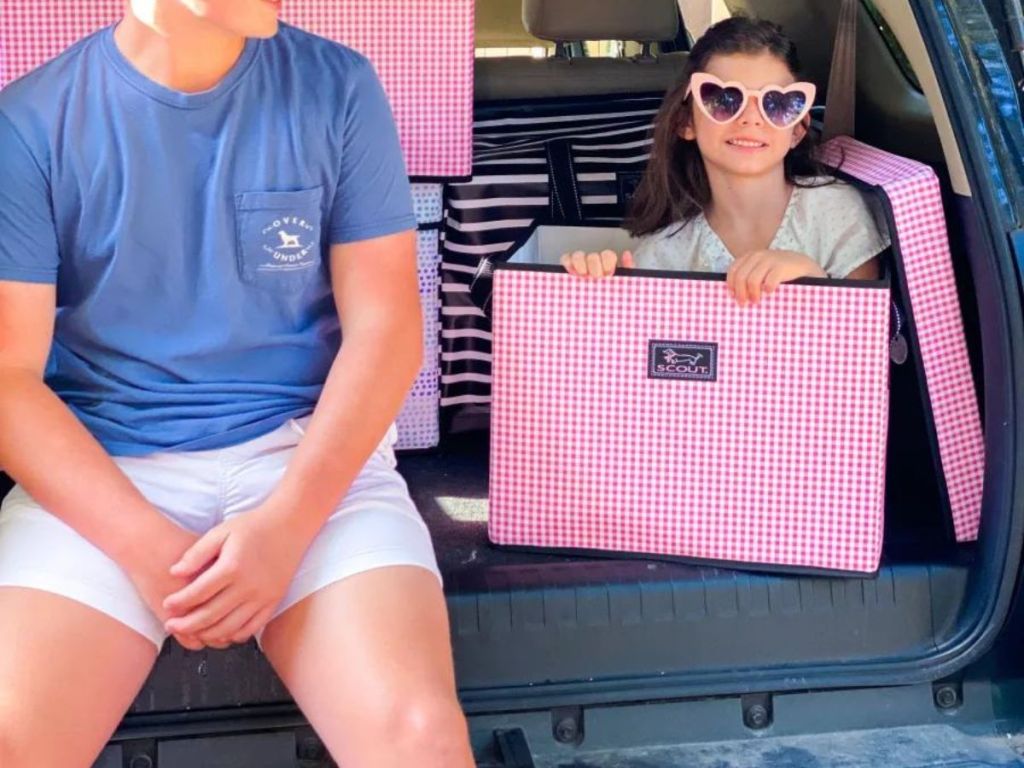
[(924, 266), (419, 420), (422, 49), (774, 458)]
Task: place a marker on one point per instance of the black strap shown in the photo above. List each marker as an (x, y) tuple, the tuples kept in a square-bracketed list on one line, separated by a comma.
[(565, 205), (565, 208), (842, 83)]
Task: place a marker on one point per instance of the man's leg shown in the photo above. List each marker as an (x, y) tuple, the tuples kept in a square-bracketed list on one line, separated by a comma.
[(368, 660), (68, 673), (76, 641), (361, 638)]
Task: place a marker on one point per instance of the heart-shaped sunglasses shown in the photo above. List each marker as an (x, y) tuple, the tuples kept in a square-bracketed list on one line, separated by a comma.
[(782, 107)]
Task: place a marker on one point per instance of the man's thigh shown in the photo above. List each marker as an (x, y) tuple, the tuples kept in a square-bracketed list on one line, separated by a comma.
[(68, 673), (362, 636), (41, 552), (369, 662)]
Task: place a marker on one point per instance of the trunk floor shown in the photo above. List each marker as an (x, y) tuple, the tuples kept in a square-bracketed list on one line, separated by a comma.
[(449, 488), (523, 622)]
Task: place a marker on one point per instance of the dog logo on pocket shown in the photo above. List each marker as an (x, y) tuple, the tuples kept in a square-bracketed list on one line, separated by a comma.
[(283, 241), (688, 360), (288, 241)]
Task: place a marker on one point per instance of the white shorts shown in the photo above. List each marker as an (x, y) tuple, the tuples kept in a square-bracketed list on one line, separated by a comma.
[(376, 525)]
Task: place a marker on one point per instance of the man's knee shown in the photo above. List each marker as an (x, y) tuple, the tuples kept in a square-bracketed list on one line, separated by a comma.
[(424, 724), (430, 720)]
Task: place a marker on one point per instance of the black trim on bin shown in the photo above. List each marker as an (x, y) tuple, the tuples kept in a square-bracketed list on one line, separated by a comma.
[(706, 276), (910, 333), (698, 562)]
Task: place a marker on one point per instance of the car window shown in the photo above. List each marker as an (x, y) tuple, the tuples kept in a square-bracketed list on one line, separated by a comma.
[(536, 51), (596, 48), (893, 44), (701, 14)]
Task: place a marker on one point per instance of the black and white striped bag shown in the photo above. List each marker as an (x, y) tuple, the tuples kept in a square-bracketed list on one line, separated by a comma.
[(557, 162)]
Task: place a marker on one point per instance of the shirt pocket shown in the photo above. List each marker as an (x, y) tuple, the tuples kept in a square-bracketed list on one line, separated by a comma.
[(279, 238)]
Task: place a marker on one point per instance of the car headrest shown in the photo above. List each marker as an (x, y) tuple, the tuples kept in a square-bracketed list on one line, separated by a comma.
[(571, 20), (499, 24)]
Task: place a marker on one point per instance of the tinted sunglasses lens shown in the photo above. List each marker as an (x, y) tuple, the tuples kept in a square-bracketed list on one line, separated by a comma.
[(721, 103), (783, 109)]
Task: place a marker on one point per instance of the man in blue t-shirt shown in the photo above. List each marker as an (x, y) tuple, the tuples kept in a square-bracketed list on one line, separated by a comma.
[(194, 204)]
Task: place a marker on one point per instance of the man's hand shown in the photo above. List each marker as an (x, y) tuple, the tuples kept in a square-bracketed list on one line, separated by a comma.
[(152, 577), (763, 271), (244, 567)]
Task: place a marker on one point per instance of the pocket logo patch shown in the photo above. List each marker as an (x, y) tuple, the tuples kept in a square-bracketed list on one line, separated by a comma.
[(288, 244)]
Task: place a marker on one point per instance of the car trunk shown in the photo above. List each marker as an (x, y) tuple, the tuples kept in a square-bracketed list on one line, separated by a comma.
[(533, 630)]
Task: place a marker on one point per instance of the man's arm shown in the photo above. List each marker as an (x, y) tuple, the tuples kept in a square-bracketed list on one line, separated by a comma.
[(377, 296), (48, 451), (253, 557)]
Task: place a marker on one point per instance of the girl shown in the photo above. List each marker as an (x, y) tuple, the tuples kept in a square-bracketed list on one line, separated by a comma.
[(731, 185)]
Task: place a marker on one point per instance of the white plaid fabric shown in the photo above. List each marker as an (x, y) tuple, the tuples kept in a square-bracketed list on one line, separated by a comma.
[(418, 422), (916, 200), (422, 49), (779, 461)]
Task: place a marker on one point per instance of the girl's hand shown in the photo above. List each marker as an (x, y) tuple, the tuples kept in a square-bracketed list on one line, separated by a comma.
[(239, 572), (595, 264), (763, 271)]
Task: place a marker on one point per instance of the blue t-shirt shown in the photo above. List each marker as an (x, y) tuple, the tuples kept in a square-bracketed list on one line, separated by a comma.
[(188, 234)]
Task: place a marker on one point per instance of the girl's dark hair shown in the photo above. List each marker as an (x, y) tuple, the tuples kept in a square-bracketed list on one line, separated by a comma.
[(675, 186)]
